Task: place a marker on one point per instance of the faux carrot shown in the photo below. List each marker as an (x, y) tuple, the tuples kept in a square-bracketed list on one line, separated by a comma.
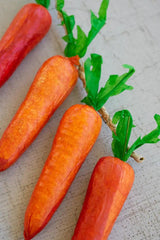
[(76, 134), (28, 27), (109, 186), (111, 182), (52, 84), (50, 87)]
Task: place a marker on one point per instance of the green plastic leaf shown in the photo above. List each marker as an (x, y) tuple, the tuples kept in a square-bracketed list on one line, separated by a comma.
[(60, 5), (78, 46), (69, 22), (96, 25), (157, 119), (92, 67), (114, 86), (98, 22), (80, 43), (44, 3), (103, 10), (120, 142), (66, 38), (89, 101), (152, 137), (123, 132)]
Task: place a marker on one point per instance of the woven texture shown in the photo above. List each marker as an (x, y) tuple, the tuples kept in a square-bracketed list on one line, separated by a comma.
[(131, 36)]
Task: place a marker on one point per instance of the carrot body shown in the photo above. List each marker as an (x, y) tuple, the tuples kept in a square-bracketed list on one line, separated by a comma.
[(108, 189), (52, 84), (76, 134), (28, 27)]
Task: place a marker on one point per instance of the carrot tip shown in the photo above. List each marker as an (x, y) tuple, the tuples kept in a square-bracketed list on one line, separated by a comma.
[(26, 237)]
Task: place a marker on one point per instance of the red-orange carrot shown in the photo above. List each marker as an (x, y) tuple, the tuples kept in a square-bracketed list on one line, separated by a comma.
[(52, 84), (76, 134), (28, 27), (108, 189)]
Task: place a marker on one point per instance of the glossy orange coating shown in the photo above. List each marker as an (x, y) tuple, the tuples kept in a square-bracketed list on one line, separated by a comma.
[(109, 186), (28, 27), (52, 84), (76, 135)]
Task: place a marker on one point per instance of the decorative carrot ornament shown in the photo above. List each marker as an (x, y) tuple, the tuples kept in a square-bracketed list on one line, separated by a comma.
[(52, 84), (28, 27), (111, 182), (76, 135)]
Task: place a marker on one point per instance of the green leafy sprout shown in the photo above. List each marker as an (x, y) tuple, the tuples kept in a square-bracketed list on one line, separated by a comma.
[(78, 46), (115, 85), (44, 3), (120, 142)]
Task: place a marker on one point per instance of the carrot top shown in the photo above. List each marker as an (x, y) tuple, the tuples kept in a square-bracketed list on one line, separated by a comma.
[(120, 142), (78, 46), (123, 119), (44, 3), (114, 85)]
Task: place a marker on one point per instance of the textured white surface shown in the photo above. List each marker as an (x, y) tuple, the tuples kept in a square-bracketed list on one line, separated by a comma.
[(132, 35)]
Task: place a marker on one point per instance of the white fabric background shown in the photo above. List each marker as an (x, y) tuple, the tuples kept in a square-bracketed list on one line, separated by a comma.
[(132, 36)]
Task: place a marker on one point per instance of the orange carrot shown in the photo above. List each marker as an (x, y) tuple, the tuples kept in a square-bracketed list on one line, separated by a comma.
[(108, 189), (52, 84), (76, 134), (28, 27)]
